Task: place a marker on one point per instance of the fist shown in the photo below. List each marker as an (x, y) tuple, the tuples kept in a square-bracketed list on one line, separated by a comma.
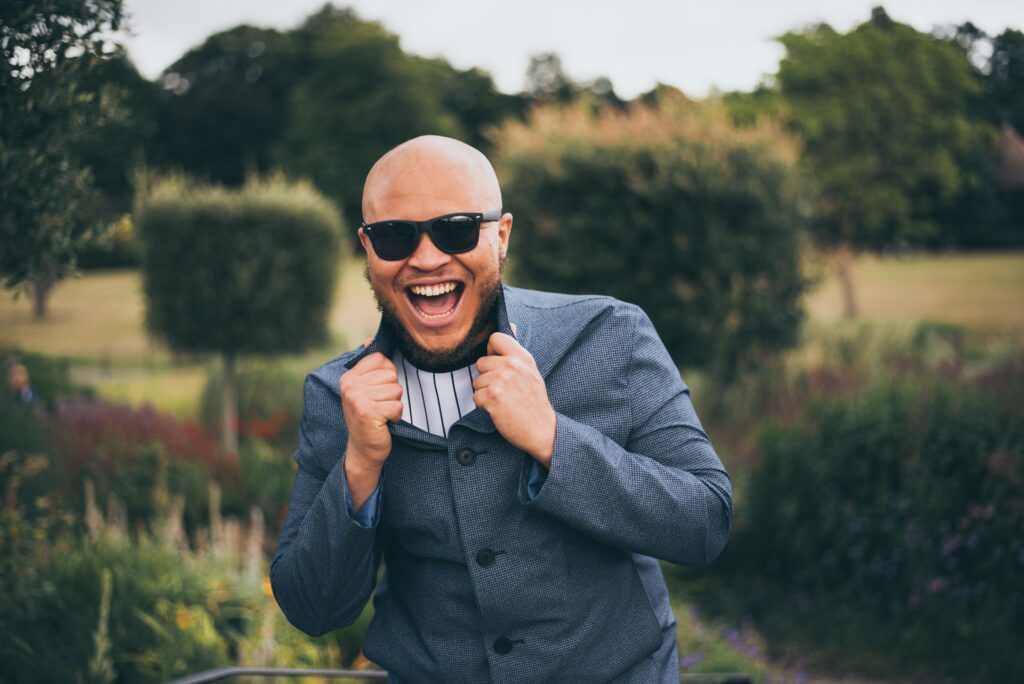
[(512, 391), (370, 398)]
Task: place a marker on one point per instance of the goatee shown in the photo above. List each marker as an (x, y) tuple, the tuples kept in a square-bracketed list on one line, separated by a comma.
[(465, 352)]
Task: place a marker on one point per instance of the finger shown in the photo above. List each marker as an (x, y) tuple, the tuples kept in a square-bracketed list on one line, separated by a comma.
[(374, 360), (392, 410), (367, 342), (502, 344), (514, 332), (379, 376), (387, 392), (487, 363)]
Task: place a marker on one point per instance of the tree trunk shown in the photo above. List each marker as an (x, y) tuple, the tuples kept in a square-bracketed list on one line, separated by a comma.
[(42, 286), (844, 269), (229, 406)]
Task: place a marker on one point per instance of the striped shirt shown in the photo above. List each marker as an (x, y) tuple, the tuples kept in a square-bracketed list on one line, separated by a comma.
[(434, 401)]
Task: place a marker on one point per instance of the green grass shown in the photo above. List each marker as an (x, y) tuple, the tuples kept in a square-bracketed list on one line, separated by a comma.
[(984, 290)]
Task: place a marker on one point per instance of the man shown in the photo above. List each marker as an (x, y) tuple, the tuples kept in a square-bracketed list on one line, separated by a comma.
[(518, 459)]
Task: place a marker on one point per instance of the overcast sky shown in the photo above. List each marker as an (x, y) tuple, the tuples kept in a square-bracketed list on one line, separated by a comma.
[(696, 46)]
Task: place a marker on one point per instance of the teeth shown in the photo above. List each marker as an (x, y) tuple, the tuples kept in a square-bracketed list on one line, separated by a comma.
[(433, 290)]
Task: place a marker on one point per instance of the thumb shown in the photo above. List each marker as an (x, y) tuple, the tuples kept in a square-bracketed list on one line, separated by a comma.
[(514, 331)]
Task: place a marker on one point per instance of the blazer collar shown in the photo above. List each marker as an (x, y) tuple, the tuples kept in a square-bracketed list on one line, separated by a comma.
[(546, 342)]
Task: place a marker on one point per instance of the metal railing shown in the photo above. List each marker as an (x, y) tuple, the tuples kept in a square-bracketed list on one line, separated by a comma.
[(226, 672), (380, 675)]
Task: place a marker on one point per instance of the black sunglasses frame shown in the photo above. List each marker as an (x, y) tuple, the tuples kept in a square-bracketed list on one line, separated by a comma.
[(419, 227)]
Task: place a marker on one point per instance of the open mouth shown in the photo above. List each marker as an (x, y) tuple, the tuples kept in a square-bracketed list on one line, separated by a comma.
[(436, 302)]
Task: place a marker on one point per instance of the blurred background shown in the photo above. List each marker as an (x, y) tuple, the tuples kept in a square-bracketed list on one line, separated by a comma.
[(821, 209)]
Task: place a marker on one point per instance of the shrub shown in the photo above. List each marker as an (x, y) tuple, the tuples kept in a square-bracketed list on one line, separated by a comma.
[(269, 402), (237, 272), (128, 451), (898, 510), (670, 207), (170, 611)]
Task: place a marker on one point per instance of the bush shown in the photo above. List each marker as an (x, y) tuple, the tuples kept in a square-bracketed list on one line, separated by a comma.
[(897, 511), (269, 403), (170, 612), (671, 207), (128, 451), (249, 271)]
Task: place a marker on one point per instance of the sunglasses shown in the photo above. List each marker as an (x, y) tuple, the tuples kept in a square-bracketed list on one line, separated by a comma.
[(452, 233)]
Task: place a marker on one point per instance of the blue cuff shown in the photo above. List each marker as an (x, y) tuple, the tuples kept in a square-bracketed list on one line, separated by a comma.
[(535, 480), (369, 513)]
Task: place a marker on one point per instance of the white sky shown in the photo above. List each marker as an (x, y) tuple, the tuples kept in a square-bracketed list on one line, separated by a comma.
[(696, 46)]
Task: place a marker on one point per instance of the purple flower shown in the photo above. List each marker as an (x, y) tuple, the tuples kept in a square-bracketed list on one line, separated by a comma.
[(691, 660)]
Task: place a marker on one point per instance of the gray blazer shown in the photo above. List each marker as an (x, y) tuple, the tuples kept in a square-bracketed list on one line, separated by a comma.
[(482, 584)]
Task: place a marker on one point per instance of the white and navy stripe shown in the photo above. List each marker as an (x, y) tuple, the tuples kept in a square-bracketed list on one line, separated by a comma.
[(434, 401)]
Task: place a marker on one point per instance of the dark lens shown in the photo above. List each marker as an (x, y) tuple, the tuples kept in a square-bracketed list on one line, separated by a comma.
[(456, 233), (393, 240)]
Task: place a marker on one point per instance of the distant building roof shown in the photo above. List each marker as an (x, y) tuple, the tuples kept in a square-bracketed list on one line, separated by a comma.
[(1010, 159)]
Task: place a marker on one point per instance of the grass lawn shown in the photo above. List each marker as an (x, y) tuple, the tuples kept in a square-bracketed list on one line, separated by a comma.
[(983, 290)]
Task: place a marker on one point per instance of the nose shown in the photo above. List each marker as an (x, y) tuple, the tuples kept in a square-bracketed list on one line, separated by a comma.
[(427, 257)]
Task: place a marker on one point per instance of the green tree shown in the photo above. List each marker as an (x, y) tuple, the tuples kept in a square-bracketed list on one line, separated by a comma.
[(46, 106), (1005, 80), (235, 273), (886, 116), (669, 206), (224, 105), (360, 96)]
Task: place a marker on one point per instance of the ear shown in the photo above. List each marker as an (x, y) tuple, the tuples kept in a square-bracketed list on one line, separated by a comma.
[(363, 240), (504, 232)]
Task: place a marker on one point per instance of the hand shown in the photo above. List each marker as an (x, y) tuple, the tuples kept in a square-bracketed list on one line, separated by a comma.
[(512, 391), (370, 398)]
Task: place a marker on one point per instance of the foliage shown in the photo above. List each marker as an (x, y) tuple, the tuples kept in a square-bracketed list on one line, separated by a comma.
[(117, 247), (887, 115), (261, 265), (899, 509), (269, 402), (171, 611), (360, 96), (1005, 80), (668, 206), (45, 107), (242, 75), (129, 452)]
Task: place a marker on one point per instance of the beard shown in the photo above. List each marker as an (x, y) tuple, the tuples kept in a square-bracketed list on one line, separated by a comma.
[(465, 352)]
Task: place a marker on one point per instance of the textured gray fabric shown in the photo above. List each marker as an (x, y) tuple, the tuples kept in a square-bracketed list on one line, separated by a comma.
[(573, 593)]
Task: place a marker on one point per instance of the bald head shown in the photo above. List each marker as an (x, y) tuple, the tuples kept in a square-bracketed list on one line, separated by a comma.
[(430, 175)]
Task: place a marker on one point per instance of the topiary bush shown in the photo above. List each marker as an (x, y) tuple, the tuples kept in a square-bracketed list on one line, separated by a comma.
[(237, 272), (898, 513), (668, 206)]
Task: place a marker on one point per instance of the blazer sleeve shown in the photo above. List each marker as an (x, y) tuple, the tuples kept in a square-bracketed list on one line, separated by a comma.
[(665, 493), (325, 565)]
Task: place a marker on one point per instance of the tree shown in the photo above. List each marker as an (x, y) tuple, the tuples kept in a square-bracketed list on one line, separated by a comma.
[(668, 206), (885, 114), (223, 106), (1005, 80), (360, 96), (45, 108), (249, 271)]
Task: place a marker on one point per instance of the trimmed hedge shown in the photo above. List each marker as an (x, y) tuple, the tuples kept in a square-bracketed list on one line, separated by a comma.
[(667, 206)]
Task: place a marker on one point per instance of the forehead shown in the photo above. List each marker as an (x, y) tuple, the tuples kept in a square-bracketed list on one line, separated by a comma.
[(421, 186)]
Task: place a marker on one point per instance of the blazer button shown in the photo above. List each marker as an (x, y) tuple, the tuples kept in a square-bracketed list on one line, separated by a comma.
[(485, 557), (503, 645), (466, 457)]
